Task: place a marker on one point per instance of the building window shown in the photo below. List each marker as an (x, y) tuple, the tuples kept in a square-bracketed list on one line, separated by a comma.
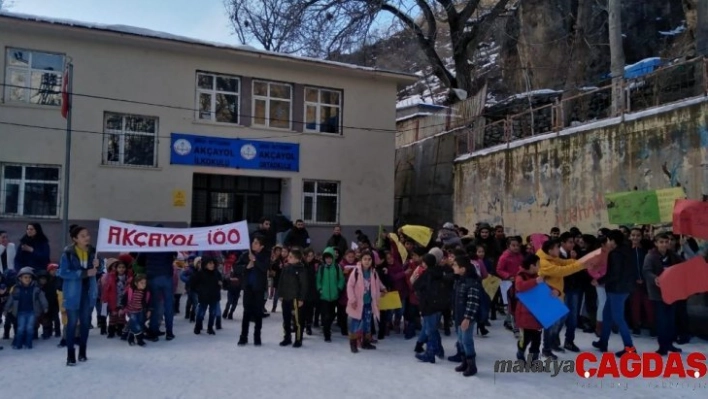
[(218, 97), (129, 140), (320, 201), (222, 199), (33, 77), (29, 190), (272, 104), (323, 109)]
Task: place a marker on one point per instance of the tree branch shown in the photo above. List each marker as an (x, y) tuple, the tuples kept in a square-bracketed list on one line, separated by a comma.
[(482, 26), (429, 19), (469, 9)]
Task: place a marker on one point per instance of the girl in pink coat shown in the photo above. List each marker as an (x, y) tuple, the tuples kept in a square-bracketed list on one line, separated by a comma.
[(363, 293)]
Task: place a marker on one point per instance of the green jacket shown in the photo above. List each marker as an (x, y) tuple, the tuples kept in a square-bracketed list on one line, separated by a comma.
[(330, 282)]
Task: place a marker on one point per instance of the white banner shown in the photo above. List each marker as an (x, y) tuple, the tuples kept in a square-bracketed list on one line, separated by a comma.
[(115, 236)]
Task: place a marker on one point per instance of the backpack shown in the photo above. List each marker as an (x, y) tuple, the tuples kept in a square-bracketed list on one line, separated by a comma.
[(436, 292)]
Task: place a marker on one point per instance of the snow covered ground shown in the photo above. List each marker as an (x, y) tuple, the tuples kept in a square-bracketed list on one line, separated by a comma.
[(213, 366)]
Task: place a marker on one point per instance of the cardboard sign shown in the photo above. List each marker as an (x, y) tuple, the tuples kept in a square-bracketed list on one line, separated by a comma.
[(680, 281), (390, 301), (546, 308), (691, 218), (491, 285), (642, 207)]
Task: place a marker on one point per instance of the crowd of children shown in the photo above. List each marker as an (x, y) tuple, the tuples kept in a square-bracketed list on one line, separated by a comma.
[(440, 286)]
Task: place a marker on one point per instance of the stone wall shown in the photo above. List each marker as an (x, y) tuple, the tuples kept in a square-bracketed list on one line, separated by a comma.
[(560, 179)]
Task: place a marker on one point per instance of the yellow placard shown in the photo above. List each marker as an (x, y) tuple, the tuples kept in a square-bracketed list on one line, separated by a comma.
[(667, 198), (179, 198), (390, 301), (491, 285), (419, 234)]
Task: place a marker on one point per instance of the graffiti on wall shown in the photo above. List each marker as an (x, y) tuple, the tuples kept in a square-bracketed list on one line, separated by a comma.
[(561, 181)]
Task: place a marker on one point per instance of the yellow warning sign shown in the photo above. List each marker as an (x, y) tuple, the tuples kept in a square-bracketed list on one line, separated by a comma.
[(179, 198)]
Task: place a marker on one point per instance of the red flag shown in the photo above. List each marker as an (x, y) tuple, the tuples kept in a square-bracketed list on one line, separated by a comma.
[(691, 218), (65, 94), (680, 281)]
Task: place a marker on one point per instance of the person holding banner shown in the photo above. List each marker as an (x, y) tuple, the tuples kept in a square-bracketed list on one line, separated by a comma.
[(255, 283), (78, 267)]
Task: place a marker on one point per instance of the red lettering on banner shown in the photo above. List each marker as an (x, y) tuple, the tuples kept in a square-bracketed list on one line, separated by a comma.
[(168, 238), (139, 239), (234, 236), (114, 234), (190, 242), (179, 240), (154, 239), (127, 236)]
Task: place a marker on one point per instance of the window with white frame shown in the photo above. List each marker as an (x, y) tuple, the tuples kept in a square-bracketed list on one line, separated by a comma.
[(320, 201), (272, 104), (218, 97), (30, 190), (129, 140), (33, 77), (323, 109)]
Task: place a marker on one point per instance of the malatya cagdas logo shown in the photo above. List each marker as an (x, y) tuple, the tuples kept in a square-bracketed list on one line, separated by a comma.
[(644, 365), (608, 365)]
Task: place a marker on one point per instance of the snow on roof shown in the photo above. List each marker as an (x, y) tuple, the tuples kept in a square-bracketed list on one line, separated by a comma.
[(413, 101), (149, 33), (673, 32)]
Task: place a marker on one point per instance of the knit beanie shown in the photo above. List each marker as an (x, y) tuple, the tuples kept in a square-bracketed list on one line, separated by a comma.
[(437, 253)]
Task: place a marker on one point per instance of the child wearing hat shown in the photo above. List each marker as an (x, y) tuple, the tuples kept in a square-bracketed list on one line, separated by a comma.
[(27, 303)]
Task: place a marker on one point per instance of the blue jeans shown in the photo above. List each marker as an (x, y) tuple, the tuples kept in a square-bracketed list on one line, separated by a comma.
[(162, 302), (136, 321), (431, 333), (572, 301), (466, 339), (80, 317), (613, 314), (363, 326), (213, 310), (665, 319), (550, 335), (25, 330)]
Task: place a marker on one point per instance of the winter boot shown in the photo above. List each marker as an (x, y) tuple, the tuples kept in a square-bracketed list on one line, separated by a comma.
[(210, 331), (231, 315), (471, 367), (419, 347), (353, 343), (62, 343), (462, 367), (102, 325), (198, 327), (218, 323), (225, 314), (111, 332), (82, 353), (71, 357), (242, 341), (139, 339), (131, 339), (192, 317), (459, 356), (366, 343), (257, 339), (123, 332)]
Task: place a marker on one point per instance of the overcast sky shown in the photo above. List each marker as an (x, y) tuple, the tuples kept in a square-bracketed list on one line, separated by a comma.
[(201, 19)]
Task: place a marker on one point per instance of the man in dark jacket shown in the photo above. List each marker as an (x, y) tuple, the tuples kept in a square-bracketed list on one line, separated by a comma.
[(337, 240), (265, 229), (293, 290), (297, 236), (254, 285), (654, 264), (574, 286), (159, 270), (619, 282)]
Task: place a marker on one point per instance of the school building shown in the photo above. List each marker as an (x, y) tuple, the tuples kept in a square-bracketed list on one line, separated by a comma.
[(182, 132)]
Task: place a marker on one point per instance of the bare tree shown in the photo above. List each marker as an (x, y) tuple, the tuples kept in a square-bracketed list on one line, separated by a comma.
[(321, 28), (616, 55)]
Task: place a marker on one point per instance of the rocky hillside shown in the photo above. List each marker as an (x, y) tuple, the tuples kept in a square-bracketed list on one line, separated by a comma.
[(538, 47)]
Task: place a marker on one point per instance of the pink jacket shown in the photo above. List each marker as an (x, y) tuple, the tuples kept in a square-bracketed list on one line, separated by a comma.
[(355, 293), (601, 269), (509, 265)]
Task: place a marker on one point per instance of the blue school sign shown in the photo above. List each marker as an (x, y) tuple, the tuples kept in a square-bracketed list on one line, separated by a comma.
[(187, 149)]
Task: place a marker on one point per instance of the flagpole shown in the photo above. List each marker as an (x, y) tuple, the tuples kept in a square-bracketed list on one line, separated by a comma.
[(67, 158)]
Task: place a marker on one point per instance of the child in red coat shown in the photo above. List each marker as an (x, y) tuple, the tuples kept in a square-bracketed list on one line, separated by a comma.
[(113, 287), (531, 329)]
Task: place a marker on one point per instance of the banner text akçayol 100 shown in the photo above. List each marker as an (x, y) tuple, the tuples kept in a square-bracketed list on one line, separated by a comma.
[(116, 236)]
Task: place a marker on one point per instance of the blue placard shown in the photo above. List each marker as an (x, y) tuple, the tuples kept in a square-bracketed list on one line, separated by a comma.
[(187, 149), (546, 308)]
